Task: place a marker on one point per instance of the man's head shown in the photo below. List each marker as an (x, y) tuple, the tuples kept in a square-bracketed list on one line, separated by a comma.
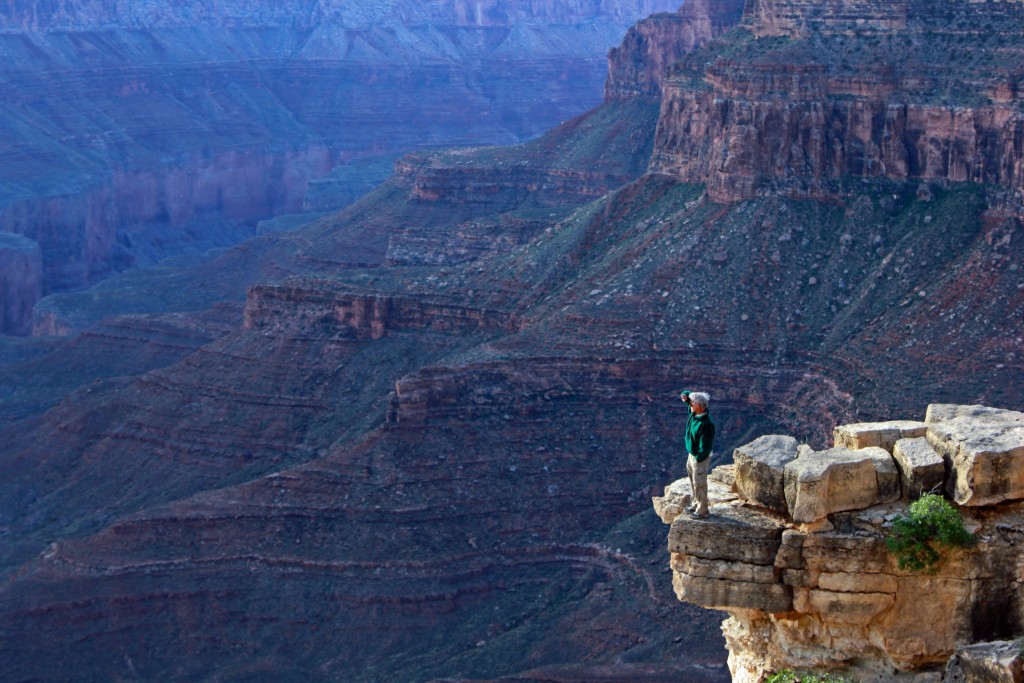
[(699, 401)]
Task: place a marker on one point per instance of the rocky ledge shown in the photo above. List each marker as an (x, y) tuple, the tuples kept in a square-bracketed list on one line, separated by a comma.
[(794, 551)]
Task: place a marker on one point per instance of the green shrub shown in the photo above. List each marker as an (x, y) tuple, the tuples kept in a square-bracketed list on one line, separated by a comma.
[(932, 522), (790, 676)]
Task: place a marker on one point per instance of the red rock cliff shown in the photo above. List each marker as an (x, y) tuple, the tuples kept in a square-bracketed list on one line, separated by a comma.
[(637, 67), (905, 96)]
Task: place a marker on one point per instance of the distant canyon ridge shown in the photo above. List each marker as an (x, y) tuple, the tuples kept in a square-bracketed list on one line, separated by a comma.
[(136, 131)]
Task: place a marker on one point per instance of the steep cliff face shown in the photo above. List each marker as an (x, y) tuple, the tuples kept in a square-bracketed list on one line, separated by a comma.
[(21, 281), (637, 67), (925, 92)]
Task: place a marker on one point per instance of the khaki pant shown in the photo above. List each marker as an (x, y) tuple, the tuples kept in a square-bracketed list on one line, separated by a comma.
[(698, 472)]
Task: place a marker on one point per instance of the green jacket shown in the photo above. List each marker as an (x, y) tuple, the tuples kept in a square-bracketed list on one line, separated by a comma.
[(700, 435)]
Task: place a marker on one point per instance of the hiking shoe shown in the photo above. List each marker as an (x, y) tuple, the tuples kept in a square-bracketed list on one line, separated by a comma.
[(698, 515)]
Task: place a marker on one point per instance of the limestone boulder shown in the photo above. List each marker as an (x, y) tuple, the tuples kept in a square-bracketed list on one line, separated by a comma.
[(760, 470), (995, 662), (842, 607), (822, 482), (983, 450), (678, 496), (922, 469), (877, 434)]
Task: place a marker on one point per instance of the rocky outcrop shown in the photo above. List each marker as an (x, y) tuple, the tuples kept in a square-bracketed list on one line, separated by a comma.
[(500, 187), (637, 67), (817, 589), (21, 282)]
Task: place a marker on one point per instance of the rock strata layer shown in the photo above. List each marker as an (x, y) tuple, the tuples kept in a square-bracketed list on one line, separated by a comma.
[(849, 88), (829, 596)]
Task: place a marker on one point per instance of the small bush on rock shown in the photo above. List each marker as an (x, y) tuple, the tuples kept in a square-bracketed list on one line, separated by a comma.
[(932, 521)]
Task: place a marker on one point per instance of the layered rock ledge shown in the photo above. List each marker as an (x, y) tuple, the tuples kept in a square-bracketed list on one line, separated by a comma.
[(794, 550)]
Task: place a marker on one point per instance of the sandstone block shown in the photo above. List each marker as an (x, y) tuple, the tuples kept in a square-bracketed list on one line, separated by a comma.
[(942, 412), (834, 553), (723, 569), (734, 534), (760, 470), (723, 594), (879, 434), (982, 448), (922, 470), (678, 496), (931, 615), (841, 607), (832, 481), (849, 582), (887, 475)]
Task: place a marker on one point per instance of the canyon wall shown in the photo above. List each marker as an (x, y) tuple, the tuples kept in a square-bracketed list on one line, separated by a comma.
[(137, 217), (636, 68), (720, 137)]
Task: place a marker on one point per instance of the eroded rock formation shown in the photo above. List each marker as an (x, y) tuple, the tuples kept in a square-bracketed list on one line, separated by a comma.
[(809, 583)]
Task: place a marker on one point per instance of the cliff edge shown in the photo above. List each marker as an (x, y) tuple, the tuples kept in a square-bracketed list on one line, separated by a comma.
[(795, 550)]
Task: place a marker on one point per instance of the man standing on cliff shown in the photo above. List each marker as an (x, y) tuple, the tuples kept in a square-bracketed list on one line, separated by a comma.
[(700, 439)]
